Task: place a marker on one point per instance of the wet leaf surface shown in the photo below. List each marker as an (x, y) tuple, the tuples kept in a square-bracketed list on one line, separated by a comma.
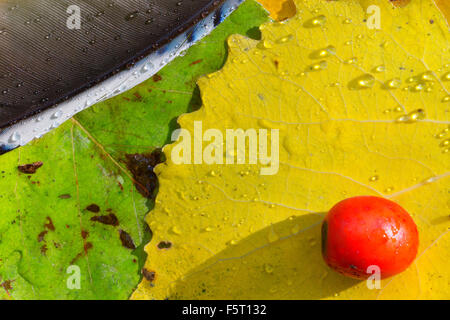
[(359, 111)]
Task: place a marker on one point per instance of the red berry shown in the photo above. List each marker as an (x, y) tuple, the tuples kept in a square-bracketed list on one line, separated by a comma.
[(369, 231)]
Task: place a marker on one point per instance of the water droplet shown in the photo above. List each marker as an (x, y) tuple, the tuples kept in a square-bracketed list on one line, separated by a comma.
[(212, 173), (430, 180), (446, 77), (272, 237), (54, 125), (413, 116), (322, 65), (419, 87), (445, 143), (393, 83), (323, 53), (351, 60), (285, 39), (365, 81), (148, 66), (318, 21), (132, 15), (265, 44), (57, 114), (176, 230), (427, 76), (268, 268), (15, 137), (380, 68), (442, 134)]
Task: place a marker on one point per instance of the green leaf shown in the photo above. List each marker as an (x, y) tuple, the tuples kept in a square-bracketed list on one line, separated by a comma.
[(47, 221)]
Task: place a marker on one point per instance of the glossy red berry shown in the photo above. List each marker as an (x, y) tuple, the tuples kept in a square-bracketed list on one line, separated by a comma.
[(366, 231)]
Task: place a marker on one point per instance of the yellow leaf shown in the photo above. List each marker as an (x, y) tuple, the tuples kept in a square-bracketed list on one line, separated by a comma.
[(443, 5), (280, 9), (359, 111), (283, 9)]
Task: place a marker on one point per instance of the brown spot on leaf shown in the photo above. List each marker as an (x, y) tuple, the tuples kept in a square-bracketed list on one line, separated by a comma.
[(276, 63), (196, 62), (87, 247), (65, 196), (149, 275), (165, 245), (138, 96), (41, 236), (30, 168), (141, 166), (76, 258), (84, 234), (7, 285), (49, 225), (44, 249), (126, 239), (93, 208), (109, 219), (157, 78)]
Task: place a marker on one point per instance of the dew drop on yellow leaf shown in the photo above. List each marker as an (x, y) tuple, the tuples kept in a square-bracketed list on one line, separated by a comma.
[(359, 111)]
